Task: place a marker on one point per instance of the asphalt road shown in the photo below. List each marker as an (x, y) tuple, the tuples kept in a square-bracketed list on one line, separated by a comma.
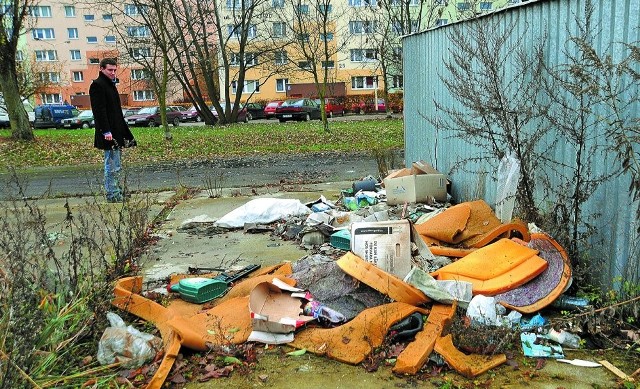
[(246, 171)]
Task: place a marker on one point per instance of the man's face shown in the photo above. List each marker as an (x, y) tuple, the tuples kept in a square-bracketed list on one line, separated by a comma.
[(109, 71)]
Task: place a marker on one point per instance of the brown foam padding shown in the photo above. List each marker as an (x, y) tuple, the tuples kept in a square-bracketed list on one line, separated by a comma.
[(380, 280), (448, 225), (414, 356), (353, 341), (468, 365), (496, 268), (544, 289)]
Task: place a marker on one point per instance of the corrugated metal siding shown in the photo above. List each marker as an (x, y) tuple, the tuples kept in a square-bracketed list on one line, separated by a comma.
[(425, 56)]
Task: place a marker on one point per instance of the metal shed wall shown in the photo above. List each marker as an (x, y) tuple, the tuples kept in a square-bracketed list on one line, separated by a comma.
[(615, 242)]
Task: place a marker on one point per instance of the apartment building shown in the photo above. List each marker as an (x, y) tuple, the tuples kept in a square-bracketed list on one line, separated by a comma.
[(66, 41)]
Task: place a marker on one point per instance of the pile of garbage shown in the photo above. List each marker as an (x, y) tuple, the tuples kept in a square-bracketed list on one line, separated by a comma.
[(381, 265)]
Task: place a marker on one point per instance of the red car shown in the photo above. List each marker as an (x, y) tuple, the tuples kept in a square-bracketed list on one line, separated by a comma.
[(369, 107), (332, 106), (270, 109)]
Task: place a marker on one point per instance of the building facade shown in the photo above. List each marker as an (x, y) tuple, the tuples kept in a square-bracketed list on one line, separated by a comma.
[(65, 42)]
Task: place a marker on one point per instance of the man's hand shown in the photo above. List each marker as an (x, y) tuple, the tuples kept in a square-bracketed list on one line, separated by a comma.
[(107, 136)]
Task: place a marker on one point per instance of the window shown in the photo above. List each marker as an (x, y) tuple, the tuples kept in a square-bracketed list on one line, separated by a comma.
[(325, 8), (110, 39), (51, 98), (328, 64), (304, 65), (363, 3), (137, 31), (237, 4), (279, 29), (363, 82), (281, 84), (46, 55), (72, 33), (19, 55), (140, 52), (107, 17), (363, 55), (234, 59), (131, 10), (397, 53), (303, 8), (92, 39), (89, 18), (250, 86), (396, 82), (362, 27), (75, 55), (464, 6), (94, 61), (52, 77), (415, 25), (277, 3), (441, 22), (236, 31), (396, 27), (281, 57), (77, 76), (486, 5), (303, 37), (439, 2), (327, 37), (139, 74), (143, 95), (251, 59), (43, 33), (69, 11), (40, 11)]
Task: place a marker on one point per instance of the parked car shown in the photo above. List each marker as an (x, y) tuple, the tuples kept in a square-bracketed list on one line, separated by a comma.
[(191, 115), (243, 117), (298, 109), (369, 107), (4, 114), (51, 115), (255, 111), (126, 112), (150, 116), (332, 106), (270, 109), (83, 120)]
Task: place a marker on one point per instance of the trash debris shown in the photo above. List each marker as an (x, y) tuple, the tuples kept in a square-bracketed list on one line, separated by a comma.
[(485, 311), (565, 338), (199, 290), (580, 362), (276, 310), (619, 373), (571, 303), (407, 328), (125, 344), (508, 178), (262, 210), (419, 184), (445, 292), (537, 346), (385, 244)]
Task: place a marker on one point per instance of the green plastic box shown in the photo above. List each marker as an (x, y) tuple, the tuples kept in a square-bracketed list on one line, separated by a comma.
[(199, 289), (341, 239)]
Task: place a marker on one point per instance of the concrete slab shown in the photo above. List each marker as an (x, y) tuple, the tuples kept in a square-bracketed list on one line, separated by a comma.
[(176, 251)]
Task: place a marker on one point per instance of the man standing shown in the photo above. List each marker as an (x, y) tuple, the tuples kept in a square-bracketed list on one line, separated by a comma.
[(112, 132)]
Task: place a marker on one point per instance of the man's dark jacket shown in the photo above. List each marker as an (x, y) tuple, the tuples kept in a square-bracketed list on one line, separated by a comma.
[(107, 114)]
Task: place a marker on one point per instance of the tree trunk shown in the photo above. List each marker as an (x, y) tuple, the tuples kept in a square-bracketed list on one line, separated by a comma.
[(20, 126)]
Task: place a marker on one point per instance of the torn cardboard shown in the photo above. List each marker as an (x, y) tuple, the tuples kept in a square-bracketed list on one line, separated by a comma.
[(422, 183), (276, 310), (385, 244)]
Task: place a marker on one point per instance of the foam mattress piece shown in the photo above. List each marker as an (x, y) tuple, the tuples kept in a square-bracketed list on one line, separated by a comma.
[(496, 268), (544, 289)]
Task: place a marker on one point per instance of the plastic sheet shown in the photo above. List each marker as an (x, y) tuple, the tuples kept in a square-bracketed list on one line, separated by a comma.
[(122, 343), (508, 178)]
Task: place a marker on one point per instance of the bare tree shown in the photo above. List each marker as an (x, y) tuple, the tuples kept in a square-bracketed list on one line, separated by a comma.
[(13, 16), (498, 84), (314, 43)]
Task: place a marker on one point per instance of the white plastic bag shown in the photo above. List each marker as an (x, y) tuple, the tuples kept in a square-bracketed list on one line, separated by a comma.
[(508, 178), (482, 310), (265, 210), (122, 343)]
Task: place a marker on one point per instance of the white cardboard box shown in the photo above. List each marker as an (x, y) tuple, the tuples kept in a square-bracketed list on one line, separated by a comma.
[(416, 185), (276, 310), (386, 244)]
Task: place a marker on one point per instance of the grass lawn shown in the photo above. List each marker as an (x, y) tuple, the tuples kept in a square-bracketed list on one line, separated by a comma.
[(62, 147)]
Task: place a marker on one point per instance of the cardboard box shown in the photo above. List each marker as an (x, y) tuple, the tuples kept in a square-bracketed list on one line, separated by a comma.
[(419, 184), (276, 310), (386, 244)]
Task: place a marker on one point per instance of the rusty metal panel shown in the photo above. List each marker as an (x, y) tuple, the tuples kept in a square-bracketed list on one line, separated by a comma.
[(611, 206)]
